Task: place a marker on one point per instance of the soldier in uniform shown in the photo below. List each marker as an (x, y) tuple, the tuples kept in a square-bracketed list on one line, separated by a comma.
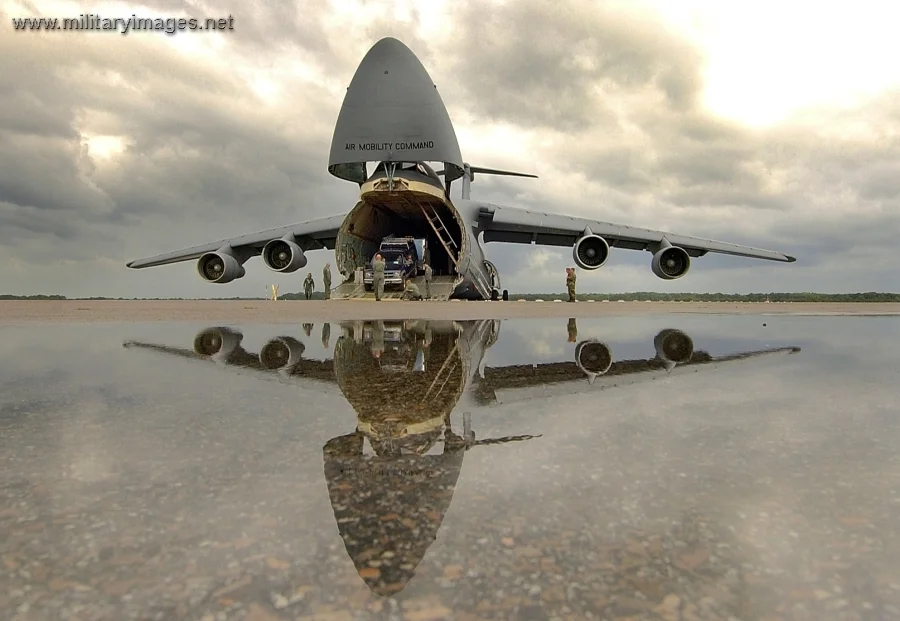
[(307, 328), (573, 330), (326, 279), (428, 274), (308, 286), (378, 276), (411, 291), (570, 282), (408, 266)]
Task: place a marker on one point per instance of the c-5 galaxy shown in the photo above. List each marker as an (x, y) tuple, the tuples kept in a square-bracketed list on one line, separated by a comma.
[(394, 119)]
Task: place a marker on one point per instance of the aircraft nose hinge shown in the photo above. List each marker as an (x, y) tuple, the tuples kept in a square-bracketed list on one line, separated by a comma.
[(391, 169)]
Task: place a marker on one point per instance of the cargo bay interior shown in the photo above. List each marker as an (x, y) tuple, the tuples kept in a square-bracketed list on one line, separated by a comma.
[(402, 213)]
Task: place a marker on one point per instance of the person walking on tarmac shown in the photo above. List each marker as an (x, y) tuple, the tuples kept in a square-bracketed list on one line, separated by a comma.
[(378, 276), (570, 283), (326, 280), (308, 286), (428, 275)]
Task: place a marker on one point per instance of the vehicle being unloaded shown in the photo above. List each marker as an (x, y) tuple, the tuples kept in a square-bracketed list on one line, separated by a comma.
[(394, 249)]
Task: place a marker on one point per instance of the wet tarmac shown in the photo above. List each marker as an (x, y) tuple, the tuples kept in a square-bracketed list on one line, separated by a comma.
[(654, 467)]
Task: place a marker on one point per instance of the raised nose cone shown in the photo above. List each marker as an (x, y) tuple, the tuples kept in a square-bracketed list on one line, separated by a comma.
[(392, 112)]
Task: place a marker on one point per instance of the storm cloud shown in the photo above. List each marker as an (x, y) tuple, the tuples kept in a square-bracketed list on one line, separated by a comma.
[(114, 147)]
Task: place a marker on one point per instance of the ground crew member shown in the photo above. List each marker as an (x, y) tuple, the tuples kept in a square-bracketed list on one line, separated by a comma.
[(411, 291), (326, 279), (308, 286), (570, 283), (573, 330), (408, 266), (428, 274), (378, 276)]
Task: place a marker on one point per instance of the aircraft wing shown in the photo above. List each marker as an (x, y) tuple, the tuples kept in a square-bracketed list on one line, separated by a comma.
[(529, 382), (313, 375), (514, 225), (310, 235)]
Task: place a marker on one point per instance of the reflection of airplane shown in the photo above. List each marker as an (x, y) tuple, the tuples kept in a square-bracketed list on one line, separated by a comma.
[(391, 480), (392, 115)]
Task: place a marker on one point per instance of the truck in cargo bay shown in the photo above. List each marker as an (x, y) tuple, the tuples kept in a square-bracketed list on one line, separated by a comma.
[(394, 250)]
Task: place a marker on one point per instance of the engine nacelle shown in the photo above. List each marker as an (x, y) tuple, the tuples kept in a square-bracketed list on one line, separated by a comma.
[(283, 255), (593, 357), (283, 352), (673, 346), (219, 267), (670, 263), (590, 252), (217, 343)]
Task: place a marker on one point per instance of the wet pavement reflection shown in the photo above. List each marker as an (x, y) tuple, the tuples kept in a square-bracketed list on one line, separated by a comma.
[(451, 469)]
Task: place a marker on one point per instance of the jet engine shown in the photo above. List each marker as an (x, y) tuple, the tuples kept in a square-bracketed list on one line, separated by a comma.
[(283, 352), (217, 343), (674, 346), (593, 357), (220, 267), (283, 255), (670, 263), (590, 252)]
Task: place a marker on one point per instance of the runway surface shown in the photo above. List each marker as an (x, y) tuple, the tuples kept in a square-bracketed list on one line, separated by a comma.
[(289, 311), (656, 467)]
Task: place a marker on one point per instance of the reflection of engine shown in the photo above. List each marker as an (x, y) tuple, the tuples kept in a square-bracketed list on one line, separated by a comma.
[(220, 267), (282, 352), (670, 263), (217, 343), (283, 255), (590, 252), (593, 357), (674, 346)]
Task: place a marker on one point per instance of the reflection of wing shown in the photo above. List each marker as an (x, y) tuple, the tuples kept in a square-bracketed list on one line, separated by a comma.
[(310, 374), (513, 225), (525, 382), (311, 235)]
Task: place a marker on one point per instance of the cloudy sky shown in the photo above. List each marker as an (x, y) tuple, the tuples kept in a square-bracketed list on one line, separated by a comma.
[(770, 124)]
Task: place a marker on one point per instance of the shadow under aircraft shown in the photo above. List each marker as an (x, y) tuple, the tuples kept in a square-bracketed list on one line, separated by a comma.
[(391, 479)]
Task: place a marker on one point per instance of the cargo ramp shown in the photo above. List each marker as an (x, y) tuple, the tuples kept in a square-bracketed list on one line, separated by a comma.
[(441, 289)]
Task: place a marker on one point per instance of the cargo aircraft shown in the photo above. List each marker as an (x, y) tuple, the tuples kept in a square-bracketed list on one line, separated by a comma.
[(394, 121)]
